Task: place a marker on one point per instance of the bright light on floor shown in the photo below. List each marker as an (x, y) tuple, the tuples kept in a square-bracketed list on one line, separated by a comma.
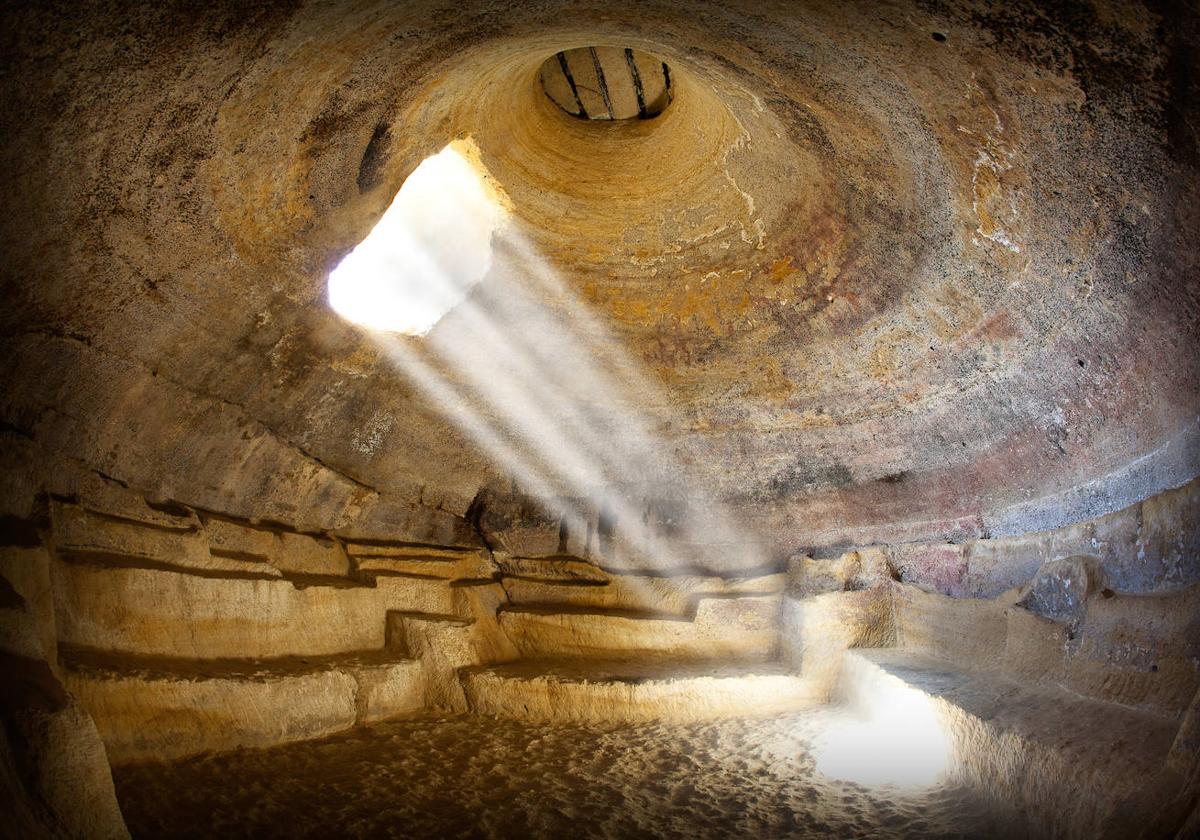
[(889, 736), (432, 245)]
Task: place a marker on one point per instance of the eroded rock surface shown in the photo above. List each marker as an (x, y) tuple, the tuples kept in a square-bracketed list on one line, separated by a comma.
[(884, 281), (904, 302)]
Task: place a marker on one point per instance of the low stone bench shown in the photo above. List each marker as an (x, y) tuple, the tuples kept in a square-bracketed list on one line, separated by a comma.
[(1088, 768)]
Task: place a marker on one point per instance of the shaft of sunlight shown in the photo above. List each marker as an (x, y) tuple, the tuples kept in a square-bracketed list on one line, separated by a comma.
[(519, 363)]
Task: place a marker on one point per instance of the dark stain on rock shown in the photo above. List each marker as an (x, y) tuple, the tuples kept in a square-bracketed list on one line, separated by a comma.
[(802, 126), (19, 533), (802, 478), (373, 158), (336, 117), (494, 511), (1106, 59), (1181, 74), (999, 327)]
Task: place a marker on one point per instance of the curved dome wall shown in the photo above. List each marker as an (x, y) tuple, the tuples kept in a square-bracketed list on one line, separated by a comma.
[(892, 286)]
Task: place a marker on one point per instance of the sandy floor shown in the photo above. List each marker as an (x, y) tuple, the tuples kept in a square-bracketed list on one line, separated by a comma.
[(479, 777)]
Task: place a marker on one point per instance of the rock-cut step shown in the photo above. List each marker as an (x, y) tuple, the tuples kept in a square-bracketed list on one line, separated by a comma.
[(1099, 769), (576, 690), (667, 594), (149, 707), (733, 627)]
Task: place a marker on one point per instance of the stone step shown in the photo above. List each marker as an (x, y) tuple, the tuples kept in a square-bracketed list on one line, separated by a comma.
[(620, 691), (1094, 768), (563, 568), (233, 570), (736, 626), (162, 612), (165, 708), (674, 595), (419, 561), (206, 543)]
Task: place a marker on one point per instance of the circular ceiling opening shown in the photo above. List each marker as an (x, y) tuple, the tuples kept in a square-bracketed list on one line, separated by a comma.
[(607, 83), (430, 248)]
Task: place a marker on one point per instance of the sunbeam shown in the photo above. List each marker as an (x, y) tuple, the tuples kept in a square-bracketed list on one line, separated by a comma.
[(522, 366)]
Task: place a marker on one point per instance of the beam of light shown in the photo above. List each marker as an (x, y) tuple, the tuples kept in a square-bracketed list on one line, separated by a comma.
[(432, 245), (889, 733), (521, 365), (566, 385)]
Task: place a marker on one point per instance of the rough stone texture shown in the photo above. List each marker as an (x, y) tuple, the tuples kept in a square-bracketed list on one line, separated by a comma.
[(305, 555), (941, 567), (54, 771), (815, 631), (162, 709), (28, 628), (1185, 760), (1152, 546), (83, 534), (148, 611), (885, 281), (623, 691), (383, 559), (1167, 543), (240, 539), (1139, 651), (1087, 769), (1059, 590), (446, 644), (152, 719), (388, 628), (734, 627), (900, 306), (674, 595), (849, 571), (388, 689)]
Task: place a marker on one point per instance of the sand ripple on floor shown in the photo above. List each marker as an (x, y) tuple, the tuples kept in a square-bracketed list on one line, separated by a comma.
[(480, 777)]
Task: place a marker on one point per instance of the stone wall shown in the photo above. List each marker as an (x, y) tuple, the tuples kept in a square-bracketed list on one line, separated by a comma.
[(1149, 547), (1109, 607)]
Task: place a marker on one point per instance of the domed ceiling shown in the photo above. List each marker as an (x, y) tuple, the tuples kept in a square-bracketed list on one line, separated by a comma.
[(891, 271)]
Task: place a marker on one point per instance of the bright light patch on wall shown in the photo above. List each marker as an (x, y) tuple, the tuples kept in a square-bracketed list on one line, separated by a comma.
[(432, 245), (891, 735)]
